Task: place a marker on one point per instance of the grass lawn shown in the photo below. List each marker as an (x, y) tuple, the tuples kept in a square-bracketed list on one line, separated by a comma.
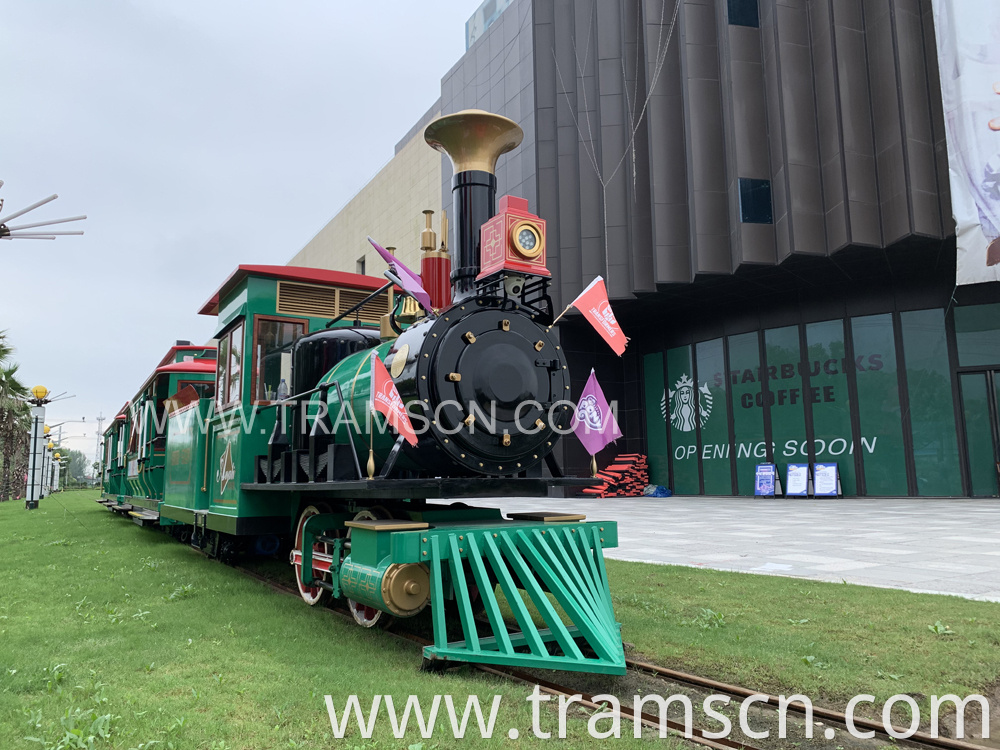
[(99, 617), (828, 641)]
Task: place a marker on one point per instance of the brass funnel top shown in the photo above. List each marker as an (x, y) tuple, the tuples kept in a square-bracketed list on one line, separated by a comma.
[(473, 139)]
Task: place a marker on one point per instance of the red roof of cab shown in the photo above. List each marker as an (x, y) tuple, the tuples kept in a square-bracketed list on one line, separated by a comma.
[(291, 273), (184, 348), (197, 365)]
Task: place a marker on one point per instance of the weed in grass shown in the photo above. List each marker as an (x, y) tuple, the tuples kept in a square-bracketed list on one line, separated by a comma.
[(81, 729), (150, 667), (886, 675), (707, 619), (812, 661), (61, 543), (181, 592), (54, 678), (798, 622), (938, 629)]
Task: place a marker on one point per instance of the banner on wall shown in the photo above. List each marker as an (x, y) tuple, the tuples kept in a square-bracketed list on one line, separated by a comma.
[(968, 44)]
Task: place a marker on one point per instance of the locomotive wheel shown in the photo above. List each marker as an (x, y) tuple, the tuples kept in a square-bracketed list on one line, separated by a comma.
[(311, 595), (365, 616)]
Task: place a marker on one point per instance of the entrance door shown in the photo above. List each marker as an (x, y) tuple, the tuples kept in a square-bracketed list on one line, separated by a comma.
[(980, 398)]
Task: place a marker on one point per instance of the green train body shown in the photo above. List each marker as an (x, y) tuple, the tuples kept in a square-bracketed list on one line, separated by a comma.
[(269, 441), (135, 444)]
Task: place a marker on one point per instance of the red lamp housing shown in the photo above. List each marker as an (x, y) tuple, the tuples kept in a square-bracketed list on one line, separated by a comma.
[(513, 241)]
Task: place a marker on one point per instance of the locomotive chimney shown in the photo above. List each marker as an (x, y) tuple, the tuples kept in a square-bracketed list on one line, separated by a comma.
[(473, 140)]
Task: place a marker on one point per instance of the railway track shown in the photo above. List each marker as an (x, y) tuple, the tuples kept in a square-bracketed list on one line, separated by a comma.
[(667, 676)]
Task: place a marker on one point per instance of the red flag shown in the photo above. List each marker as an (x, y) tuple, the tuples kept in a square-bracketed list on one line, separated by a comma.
[(386, 399), (593, 303)]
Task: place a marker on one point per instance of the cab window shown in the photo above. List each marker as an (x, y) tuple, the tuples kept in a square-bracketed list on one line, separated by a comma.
[(272, 355)]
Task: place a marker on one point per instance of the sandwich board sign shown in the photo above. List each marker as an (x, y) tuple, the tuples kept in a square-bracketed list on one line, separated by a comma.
[(827, 480), (797, 480), (764, 480)]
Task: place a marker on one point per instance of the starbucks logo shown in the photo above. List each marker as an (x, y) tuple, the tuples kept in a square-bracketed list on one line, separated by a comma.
[(686, 404)]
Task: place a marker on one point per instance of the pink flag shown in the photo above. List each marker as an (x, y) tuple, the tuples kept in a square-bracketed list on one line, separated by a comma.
[(408, 280), (386, 399), (594, 423), (593, 303)]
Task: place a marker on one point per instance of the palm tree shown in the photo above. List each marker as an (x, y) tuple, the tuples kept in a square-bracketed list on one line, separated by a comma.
[(14, 419)]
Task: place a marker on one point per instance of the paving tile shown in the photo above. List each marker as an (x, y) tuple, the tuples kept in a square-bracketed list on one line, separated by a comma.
[(936, 544), (886, 550)]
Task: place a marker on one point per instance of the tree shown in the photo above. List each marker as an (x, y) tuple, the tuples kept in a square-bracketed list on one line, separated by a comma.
[(14, 421), (76, 467)]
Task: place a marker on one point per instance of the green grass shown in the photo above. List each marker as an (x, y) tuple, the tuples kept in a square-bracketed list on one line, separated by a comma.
[(100, 618), (829, 641)]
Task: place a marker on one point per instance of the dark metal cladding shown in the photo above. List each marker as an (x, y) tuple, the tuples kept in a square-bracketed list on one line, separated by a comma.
[(474, 202), (313, 356)]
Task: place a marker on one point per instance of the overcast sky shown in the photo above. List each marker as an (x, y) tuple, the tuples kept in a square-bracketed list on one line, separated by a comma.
[(196, 136)]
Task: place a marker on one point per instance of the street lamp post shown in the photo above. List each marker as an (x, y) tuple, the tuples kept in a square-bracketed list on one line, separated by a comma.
[(36, 448)]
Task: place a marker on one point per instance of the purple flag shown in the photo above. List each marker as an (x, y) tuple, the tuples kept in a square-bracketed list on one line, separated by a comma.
[(594, 423), (409, 280)]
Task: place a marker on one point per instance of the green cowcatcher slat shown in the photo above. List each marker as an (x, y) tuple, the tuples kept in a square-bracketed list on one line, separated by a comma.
[(592, 625), (599, 628), (521, 614), (538, 598), (462, 595), (582, 551), (501, 638), (437, 594), (566, 565), (598, 559), (576, 577)]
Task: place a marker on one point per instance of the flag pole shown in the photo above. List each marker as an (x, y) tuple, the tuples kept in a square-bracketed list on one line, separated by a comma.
[(371, 448), (560, 315)]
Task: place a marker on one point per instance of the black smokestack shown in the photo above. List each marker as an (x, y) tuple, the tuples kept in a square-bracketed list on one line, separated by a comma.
[(474, 202), (473, 140)]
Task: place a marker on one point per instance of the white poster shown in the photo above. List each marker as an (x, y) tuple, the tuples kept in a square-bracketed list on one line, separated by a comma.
[(968, 43), (825, 478)]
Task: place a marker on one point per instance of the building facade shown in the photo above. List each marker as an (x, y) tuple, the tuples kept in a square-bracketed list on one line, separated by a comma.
[(764, 186), (389, 208)]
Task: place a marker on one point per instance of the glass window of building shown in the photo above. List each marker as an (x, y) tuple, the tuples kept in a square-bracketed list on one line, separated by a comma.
[(747, 402), (931, 403), (786, 397), (977, 332), (882, 449), (715, 450), (829, 399), (744, 13), (682, 413), (656, 424)]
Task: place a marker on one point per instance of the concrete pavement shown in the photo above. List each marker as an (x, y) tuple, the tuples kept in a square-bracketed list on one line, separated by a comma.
[(930, 545)]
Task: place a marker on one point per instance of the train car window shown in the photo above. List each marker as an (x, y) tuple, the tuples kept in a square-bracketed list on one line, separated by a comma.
[(272, 355), (222, 371), (202, 388), (236, 363), (229, 369)]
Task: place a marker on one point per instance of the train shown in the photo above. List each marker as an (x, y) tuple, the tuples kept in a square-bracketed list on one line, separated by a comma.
[(267, 442)]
